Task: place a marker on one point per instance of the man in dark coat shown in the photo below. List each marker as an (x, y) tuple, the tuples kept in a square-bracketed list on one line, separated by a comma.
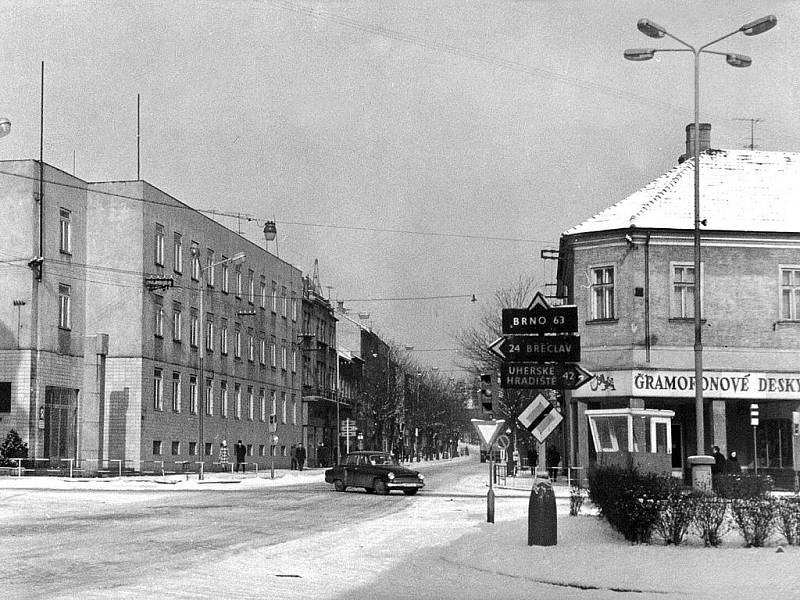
[(241, 451), (732, 465), (718, 468), (300, 454)]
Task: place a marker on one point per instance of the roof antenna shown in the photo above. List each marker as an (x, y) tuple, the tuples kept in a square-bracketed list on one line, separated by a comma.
[(751, 145)]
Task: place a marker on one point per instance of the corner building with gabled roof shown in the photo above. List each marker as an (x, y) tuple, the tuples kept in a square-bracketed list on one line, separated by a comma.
[(630, 271)]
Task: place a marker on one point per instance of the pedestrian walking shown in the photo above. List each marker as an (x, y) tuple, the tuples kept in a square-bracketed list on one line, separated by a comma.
[(718, 468), (241, 451), (300, 455), (293, 455), (223, 455), (732, 466), (552, 459), (515, 456)]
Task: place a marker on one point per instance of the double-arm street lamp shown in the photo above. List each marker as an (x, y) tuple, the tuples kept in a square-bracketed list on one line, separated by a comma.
[(201, 400), (653, 30)]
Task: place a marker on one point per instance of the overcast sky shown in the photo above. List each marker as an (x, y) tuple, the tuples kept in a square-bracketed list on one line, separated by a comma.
[(477, 131)]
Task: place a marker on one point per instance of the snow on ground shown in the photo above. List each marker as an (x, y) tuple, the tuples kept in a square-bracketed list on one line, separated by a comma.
[(441, 547)]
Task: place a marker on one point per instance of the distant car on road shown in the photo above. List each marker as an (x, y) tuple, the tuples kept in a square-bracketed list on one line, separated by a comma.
[(376, 472)]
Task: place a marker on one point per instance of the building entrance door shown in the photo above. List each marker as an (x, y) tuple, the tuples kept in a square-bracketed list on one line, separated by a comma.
[(60, 422)]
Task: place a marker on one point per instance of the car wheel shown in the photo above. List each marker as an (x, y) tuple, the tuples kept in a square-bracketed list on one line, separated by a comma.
[(339, 485), (381, 487), (410, 492)]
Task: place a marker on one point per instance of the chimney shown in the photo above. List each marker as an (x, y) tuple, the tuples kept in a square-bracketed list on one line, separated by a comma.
[(705, 140)]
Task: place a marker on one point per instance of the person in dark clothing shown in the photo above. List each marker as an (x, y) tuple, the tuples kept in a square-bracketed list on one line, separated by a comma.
[(300, 455), (732, 466), (718, 468), (241, 451), (533, 458), (293, 456), (553, 458)]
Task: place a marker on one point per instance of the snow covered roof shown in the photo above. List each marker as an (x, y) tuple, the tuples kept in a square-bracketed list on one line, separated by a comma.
[(740, 190)]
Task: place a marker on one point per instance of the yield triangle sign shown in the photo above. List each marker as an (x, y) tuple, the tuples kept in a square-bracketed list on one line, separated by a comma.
[(488, 430)]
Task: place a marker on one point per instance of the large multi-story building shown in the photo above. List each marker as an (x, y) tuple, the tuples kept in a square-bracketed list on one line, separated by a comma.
[(135, 329), (630, 271)]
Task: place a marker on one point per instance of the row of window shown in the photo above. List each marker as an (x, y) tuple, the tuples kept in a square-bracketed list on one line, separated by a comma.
[(682, 292), (245, 400), (210, 339), (208, 449), (207, 273)]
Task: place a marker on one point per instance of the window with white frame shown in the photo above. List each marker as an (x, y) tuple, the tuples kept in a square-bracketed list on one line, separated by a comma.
[(177, 322), (194, 329), (602, 291), (209, 267), (237, 341), (251, 346), (158, 390), (294, 410), (285, 302), (209, 396), (274, 297), (682, 306), (294, 307), (223, 337), (284, 356), (193, 394), (159, 245), (64, 306), (225, 276), (223, 399), (273, 402), (237, 399), (177, 253), (158, 324), (250, 402), (790, 293), (195, 251), (209, 332), (262, 400), (294, 360), (176, 391), (283, 407), (65, 231), (273, 351), (262, 293), (238, 276), (262, 350), (251, 286)]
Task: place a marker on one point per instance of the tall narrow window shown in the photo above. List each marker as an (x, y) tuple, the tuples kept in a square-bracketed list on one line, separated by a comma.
[(262, 293), (176, 391), (294, 360), (209, 396), (223, 399), (274, 297), (64, 307), (790, 293), (237, 399), (283, 407), (294, 307), (285, 302), (603, 293), (159, 245), (294, 410), (262, 350), (251, 286), (177, 253), (193, 394), (177, 322), (210, 332), (223, 337), (251, 346), (65, 231), (250, 402), (273, 354), (238, 276), (273, 402), (158, 390), (195, 261), (682, 291), (210, 267), (237, 341), (158, 322), (262, 404), (194, 329), (225, 277), (283, 355)]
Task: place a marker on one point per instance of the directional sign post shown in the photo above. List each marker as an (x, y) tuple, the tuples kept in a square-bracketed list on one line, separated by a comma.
[(543, 376), (540, 317), (539, 348)]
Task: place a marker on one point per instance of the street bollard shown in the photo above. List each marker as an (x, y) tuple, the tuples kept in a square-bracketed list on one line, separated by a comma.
[(542, 522)]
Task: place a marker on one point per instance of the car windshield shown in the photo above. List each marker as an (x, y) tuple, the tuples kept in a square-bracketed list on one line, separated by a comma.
[(381, 459)]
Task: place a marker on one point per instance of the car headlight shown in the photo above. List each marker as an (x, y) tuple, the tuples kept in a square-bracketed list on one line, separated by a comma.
[(420, 475), (390, 476)]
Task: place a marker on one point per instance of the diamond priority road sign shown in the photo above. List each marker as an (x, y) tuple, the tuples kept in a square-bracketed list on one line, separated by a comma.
[(540, 317), (544, 376), (538, 348), (540, 418)]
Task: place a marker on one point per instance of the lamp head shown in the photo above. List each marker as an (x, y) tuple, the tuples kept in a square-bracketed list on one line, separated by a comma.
[(759, 25), (270, 231), (738, 60), (639, 54), (237, 257), (650, 29)]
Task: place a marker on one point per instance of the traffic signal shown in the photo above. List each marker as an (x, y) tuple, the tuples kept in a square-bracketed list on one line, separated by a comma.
[(486, 391)]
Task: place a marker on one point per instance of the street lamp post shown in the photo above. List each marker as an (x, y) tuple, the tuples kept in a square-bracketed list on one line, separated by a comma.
[(201, 407), (653, 30)]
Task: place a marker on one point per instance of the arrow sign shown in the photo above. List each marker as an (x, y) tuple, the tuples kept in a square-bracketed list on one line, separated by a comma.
[(540, 317), (551, 376), (488, 430), (538, 348), (540, 418)]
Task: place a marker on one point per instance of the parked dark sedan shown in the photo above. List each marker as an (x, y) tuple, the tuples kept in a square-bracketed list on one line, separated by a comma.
[(376, 472)]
